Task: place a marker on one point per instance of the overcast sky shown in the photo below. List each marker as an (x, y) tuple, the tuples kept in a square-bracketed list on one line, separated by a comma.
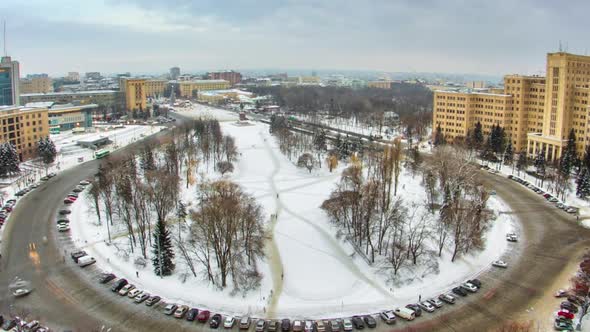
[(451, 36)]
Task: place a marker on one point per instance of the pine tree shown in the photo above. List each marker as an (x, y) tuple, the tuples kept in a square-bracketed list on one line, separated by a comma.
[(9, 159), (586, 159), (522, 162), (509, 154), (583, 184), (478, 135), (568, 156), (162, 250), (46, 150)]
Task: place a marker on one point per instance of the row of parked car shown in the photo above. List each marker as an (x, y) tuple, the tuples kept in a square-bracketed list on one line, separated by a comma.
[(122, 287), (63, 223), (568, 308), (550, 198), (18, 324)]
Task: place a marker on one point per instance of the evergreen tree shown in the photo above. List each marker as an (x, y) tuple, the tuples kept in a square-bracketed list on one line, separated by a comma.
[(147, 161), (9, 159), (568, 156), (163, 254), (540, 166), (586, 159), (478, 135), (509, 154), (439, 138), (522, 162), (583, 184), (319, 140), (46, 150)]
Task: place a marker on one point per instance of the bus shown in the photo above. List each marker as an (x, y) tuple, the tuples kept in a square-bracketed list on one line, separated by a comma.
[(101, 153)]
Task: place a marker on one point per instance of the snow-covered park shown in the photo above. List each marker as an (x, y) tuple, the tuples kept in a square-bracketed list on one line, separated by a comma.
[(308, 271)]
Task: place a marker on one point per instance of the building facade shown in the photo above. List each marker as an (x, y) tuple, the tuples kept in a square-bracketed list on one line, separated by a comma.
[(73, 76), (537, 113), (155, 88), (9, 81), (174, 73), (190, 89), (134, 90), (379, 84), (231, 76), (65, 117), (108, 98), (36, 84), (23, 127)]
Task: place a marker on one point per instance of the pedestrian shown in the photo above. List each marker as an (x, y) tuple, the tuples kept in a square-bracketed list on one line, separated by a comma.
[(137, 273), (419, 298)]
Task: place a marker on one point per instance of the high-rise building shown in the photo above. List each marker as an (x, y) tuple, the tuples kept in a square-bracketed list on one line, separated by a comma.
[(9, 82), (174, 73), (40, 83), (233, 77), (537, 113)]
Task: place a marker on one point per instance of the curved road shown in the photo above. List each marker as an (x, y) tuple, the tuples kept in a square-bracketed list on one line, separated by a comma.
[(67, 297)]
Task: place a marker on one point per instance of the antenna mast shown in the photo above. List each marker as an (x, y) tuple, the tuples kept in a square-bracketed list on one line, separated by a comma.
[(5, 54)]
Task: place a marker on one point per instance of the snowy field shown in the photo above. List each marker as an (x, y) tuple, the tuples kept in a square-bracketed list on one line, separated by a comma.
[(309, 272), (204, 111)]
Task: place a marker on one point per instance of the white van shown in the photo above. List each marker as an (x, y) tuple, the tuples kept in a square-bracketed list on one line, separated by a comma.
[(86, 260), (405, 313)]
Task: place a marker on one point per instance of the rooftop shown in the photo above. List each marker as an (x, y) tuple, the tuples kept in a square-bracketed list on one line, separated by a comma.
[(81, 93), (472, 92)]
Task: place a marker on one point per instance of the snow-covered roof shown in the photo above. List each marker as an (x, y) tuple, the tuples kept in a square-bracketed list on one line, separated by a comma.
[(90, 92), (40, 104)]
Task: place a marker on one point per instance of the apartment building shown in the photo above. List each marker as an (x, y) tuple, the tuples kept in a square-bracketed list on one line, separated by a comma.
[(537, 113), (23, 127)]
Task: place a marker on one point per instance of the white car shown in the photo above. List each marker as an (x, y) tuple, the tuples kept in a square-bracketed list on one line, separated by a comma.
[(469, 287), (436, 302), (229, 322), (499, 263), (21, 292), (512, 237), (427, 306), (347, 324), (126, 289), (133, 293), (63, 227)]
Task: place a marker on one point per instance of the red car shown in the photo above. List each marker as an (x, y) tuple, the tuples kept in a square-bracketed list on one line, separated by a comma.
[(68, 200), (203, 316), (565, 314)]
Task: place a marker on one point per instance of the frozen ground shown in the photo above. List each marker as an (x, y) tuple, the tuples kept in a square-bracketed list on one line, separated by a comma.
[(204, 111), (309, 271)]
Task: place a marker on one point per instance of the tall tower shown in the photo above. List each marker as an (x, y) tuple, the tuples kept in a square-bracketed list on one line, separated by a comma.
[(9, 78)]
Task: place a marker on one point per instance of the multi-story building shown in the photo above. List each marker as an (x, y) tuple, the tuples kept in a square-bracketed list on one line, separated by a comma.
[(23, 127), (231, 76), (380, 84), (9, 82), (134, 90), (190, 89), (537, 113), (41, 83), (93, 75), (65, 117), (174, 73), (73, 76), (154, 88), (475, 84), (107, 98)]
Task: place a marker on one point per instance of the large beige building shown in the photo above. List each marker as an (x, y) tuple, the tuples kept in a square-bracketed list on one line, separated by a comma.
[(134, 90), (23, 127), (537, 113), (155, 88), (190, 89), (37, 84)]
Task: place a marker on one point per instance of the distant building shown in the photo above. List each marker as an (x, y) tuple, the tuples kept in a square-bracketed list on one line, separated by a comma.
[(65, 117), (108, 98), (9, 81), (223, 96), (73, 76), (231, 76), (36, 84), (23, 127), (475, 85), (93, 75), (134, 90), (537, 113), (380, 84), (155, 88), (174, 73), (190, 89), (309, 80)]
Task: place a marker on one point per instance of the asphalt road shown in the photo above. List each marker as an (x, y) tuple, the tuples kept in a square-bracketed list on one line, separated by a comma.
[(68, 297)]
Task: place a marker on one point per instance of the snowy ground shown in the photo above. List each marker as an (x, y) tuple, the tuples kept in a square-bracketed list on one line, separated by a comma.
[(352, 125), (204, 111), (308, 270)]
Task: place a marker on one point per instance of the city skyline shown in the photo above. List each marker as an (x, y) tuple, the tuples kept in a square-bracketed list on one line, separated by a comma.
[(433, 36)]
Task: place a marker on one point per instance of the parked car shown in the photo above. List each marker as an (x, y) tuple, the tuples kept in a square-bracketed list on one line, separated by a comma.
[(308, 326), (435, 302), (203, 316), (229, 322), (260, 325), (245, 323), (347, 324), (106, 277), (320, 326), (169, 309), (475, 282), (334, 325), (8, 324), (512, 237), (297, 326), (118, 285), (180, 311), (20, 292), (565, 314), (569, 306), (427, 306), (133, 293), (370, 321), (448, 298), (77, 254), (142, 297), (561, 325), (31, 326), (416, 308), (405, 313), (152, 300), (77, 189), (69, 200), (459, 291), (273, 325), (84, 182), (561, 293), (387, 316), (469, 287), (215, 321), (125, 290), (499, 263), (191, 315), (63, 227), (86, 261), (357, 322)]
